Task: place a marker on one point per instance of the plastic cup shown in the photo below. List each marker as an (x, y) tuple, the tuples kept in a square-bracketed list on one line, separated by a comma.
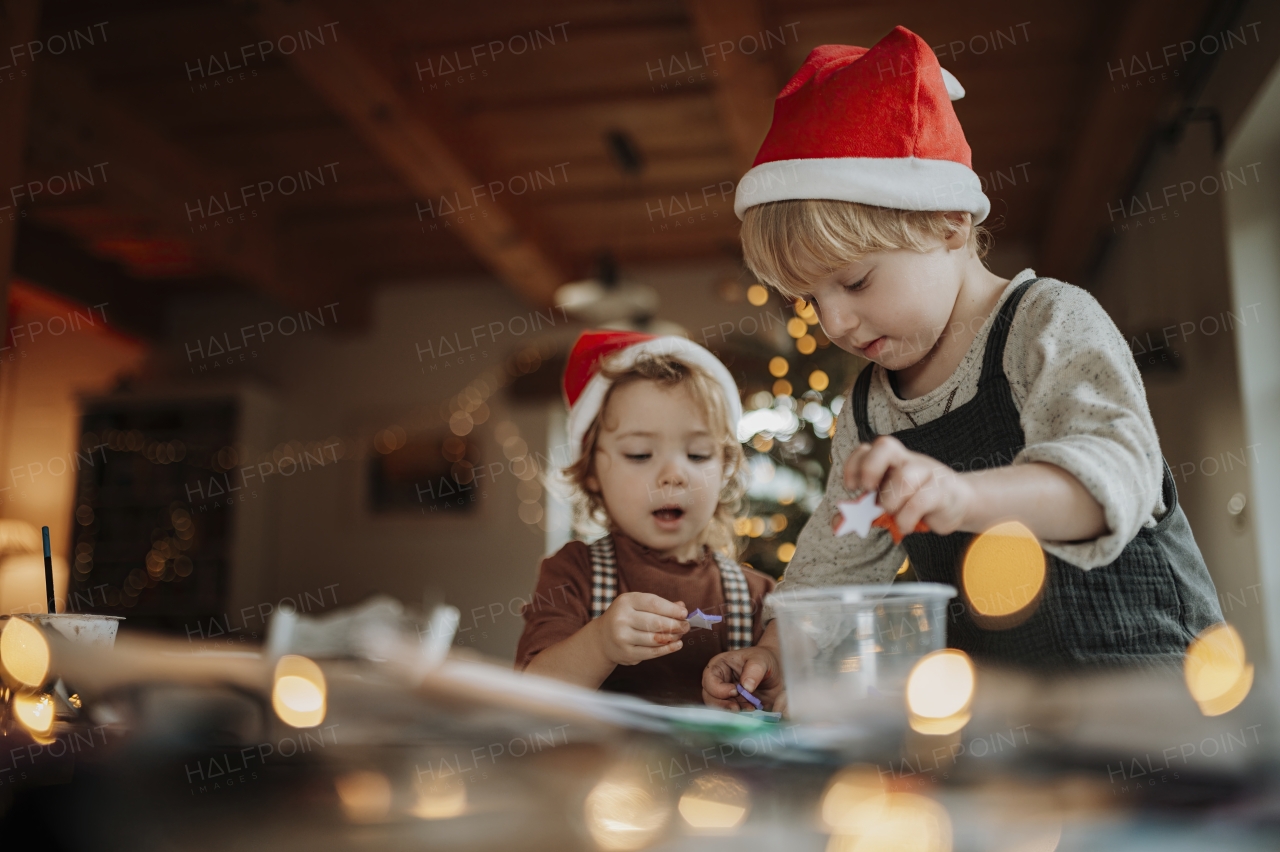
[(98, 631), (847, 647)]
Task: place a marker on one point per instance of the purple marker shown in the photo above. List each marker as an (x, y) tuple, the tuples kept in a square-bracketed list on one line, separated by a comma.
[(747, 695)]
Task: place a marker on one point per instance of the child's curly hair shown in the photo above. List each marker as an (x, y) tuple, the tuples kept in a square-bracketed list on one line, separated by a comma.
[(668, 372)]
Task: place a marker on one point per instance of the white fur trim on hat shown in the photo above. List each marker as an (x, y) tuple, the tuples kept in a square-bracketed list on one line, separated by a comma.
[(903, 183), (588, 405)]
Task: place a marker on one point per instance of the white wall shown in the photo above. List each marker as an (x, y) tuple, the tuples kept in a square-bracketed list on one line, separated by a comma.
[(1253, 227), (350, 381), (1168, 270), (55, 357), (1171, 268)]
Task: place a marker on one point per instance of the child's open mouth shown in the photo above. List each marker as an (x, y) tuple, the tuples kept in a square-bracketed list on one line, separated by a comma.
[(668, 515)]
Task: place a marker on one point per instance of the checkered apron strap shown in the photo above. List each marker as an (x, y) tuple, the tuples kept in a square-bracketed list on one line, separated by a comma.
[(604, 575), (737, 598)]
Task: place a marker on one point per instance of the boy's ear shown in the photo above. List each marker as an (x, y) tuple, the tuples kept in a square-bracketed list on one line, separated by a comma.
[(961, 224), (593, 484)]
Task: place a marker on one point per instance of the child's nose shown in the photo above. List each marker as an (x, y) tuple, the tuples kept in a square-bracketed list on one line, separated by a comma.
[(672, 474), (836, 322)]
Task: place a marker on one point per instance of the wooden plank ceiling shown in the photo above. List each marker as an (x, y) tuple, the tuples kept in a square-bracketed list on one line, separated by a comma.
[(586, 123)]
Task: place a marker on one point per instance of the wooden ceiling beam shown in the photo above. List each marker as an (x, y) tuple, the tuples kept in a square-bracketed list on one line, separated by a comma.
[(746, 85), (353, 86), (155, 179), (1127, 107)]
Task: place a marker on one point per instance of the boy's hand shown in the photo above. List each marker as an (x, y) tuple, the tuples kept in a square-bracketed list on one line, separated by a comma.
[(756, 668), (638, 627), (912, 487)]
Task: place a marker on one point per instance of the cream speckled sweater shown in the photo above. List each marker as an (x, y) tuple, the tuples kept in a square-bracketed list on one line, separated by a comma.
[(1082, 406)]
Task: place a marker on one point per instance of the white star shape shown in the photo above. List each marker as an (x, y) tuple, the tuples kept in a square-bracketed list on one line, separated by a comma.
[(857, 515)]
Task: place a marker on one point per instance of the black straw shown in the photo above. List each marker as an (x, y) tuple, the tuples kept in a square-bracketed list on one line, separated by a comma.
[(48, 573)]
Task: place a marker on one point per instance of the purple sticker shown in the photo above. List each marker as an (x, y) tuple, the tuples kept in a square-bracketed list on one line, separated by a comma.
[(698, 618)]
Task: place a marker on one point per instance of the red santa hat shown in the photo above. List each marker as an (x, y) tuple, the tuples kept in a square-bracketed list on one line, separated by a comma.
[(873, 126), (585, 388)]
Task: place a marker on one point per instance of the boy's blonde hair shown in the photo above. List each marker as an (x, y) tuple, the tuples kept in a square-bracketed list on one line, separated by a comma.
[(785, 243), (668, 372)]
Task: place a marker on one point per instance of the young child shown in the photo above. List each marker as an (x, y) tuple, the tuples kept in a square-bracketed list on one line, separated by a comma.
[(653, 423), (987, 400)]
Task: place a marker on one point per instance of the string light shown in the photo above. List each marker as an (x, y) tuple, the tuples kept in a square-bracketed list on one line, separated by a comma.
[(24, 652), (940, 691), (299, 692), (715, 803), (1217, 673), (623, 814)]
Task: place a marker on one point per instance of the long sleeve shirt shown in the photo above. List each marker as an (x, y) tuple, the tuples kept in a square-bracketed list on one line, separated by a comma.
[(1082, 407), (561, 606)]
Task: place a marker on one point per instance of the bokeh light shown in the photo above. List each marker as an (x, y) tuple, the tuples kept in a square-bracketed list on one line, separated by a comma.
[(861, 815), (940, 691), (778, 366), (299, 694), (1218, 674), (460, 423), (849, 788), (365, 795), (34, 711), (715, 803), (757, 295), (818, 380), (441, 798), (1003, 576), (24, 652), (624, 815)]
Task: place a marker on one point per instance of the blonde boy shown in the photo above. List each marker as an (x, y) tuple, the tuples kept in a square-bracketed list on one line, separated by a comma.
[(986, 400)]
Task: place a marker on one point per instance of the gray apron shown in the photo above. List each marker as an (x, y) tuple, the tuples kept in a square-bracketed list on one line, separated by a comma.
[(1142, 609)]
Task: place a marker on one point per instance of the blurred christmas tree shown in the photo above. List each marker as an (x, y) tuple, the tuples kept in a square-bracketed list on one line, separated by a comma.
[(794, 383)]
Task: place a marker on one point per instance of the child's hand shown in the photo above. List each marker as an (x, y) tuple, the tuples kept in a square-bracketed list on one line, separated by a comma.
[(912, 487), (638, 627), (756, 668)]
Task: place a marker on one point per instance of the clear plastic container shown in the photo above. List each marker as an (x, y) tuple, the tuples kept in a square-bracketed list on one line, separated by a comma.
[(82, 629), (844, 645)]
